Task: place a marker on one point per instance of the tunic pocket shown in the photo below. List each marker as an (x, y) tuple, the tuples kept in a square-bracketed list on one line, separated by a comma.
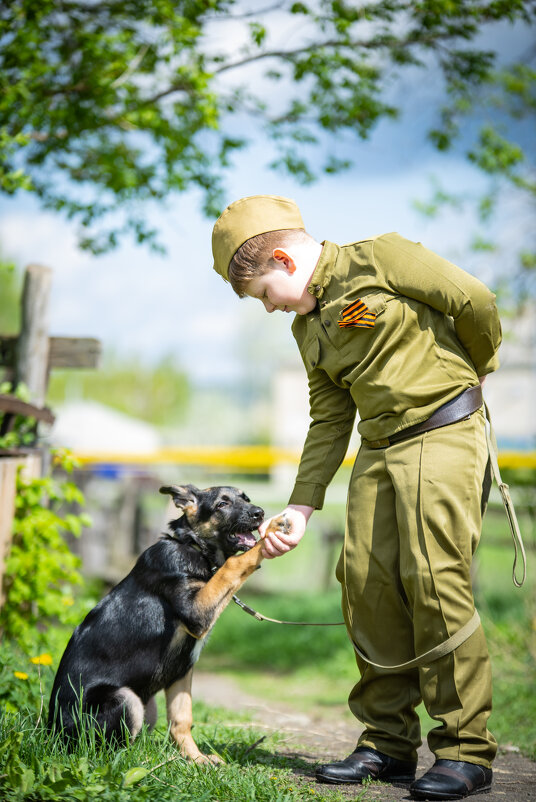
[(362, 312), (353, 316), (311, 353)]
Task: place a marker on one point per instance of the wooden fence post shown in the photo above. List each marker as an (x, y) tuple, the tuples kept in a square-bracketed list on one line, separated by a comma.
[(8, 473), (33, 342)]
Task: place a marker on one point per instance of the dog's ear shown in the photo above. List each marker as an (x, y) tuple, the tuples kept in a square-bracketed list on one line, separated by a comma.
[(184, 497)]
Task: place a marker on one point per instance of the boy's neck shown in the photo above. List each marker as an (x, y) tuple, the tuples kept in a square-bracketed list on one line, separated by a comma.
[(306, 258)]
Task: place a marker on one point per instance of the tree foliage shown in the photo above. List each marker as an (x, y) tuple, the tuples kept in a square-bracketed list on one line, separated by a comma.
[(108, 104), (502, 146)]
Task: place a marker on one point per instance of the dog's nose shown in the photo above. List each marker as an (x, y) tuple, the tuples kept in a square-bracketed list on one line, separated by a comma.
[(257, 514)]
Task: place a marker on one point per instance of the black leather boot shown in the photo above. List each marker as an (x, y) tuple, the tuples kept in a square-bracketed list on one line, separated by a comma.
[(452, 779), (364, 763)]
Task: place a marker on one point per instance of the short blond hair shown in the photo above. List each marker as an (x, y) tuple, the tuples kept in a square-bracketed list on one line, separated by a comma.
[(253, 258)]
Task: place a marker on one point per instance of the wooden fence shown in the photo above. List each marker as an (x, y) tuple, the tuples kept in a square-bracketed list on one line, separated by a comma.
[(28, 358)]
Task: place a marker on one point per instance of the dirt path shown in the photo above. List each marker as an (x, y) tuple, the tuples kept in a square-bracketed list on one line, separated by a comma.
[(320, 735)]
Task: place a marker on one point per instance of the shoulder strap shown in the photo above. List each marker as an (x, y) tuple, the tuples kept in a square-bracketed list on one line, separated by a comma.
[(507, 501)]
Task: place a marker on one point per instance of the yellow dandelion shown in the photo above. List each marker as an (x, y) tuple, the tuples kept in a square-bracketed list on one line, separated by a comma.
[(42, 660), (67, 601), (20, 675)]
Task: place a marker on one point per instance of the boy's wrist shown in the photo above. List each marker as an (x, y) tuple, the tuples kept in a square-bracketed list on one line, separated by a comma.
[(304, 509)]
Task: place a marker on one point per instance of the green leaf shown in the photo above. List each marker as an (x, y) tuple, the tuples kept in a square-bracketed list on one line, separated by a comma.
[(299, 8), (134, 775), (26, 781), (257, 33)]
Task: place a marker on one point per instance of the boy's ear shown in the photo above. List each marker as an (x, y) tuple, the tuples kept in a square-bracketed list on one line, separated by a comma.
[(285, 258)]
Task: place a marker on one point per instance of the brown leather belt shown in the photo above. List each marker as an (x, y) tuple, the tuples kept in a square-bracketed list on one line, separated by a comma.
[(453, 411)]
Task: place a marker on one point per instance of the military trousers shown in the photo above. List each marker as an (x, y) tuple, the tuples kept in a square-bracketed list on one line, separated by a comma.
[(413, 524)]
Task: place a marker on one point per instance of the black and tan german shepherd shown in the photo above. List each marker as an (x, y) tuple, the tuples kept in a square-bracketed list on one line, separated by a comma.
[(148, 632)]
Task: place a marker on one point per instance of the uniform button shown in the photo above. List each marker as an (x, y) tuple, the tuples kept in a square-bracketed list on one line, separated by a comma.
[(327, 322), (318, 288), (314, 363)]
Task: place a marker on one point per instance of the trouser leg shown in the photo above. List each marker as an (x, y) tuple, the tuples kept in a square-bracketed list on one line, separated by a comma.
[(440, 478), (457, 692), (405, 570), (375, 611)]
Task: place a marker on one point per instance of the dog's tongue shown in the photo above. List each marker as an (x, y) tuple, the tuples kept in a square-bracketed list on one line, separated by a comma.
[(246, 539)]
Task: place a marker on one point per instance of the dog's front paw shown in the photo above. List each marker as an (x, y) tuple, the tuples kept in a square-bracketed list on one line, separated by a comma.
[(209, 760), (280, 524)]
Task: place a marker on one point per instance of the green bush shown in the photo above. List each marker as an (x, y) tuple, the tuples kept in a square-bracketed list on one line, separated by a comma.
[(41, 571), (23, 432)]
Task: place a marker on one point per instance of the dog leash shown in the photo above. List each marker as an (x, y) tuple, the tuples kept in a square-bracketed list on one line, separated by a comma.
[(459, 637), (259, 617), (283, 524)]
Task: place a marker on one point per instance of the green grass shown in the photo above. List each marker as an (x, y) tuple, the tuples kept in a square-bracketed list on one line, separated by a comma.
[(35, 766)]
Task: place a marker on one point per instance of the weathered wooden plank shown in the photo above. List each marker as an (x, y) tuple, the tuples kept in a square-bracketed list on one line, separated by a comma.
[(8, 403), (74, 352), (33, 341), (8, 480), (8, 474), (64, 352)]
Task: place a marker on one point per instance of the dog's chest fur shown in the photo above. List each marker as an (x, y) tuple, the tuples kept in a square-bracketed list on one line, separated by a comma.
[(169, 562), (182, 653)]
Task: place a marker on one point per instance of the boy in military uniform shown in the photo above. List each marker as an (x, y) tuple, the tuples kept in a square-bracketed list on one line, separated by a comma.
[(389, 329)]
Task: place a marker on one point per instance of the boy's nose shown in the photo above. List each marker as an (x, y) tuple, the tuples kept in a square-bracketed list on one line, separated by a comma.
[(268, 306)]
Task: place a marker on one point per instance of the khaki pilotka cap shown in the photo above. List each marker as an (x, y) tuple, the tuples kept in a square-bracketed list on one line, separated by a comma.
[(244, 219)]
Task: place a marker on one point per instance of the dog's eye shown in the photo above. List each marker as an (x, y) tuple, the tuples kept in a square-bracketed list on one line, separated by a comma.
[(222, 504)]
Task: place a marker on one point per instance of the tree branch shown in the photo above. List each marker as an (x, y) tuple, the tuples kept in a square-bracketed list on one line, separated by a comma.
[(247, 14), (336, 43), (132, 67)]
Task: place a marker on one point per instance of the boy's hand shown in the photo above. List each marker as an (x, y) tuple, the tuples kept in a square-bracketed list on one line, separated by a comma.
[(282, 533)]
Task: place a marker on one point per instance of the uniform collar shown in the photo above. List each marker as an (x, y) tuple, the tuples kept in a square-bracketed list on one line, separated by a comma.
[(323, 270)]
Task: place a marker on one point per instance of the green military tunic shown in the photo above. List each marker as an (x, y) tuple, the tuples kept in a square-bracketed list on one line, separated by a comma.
[(435, 332), (416, 331)]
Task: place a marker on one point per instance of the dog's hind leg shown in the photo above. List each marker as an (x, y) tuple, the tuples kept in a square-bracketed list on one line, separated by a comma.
[(151, 713), (179, 713), (114, 709)]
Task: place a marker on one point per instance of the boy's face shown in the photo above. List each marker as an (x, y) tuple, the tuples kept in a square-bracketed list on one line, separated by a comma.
[(283, 288)]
